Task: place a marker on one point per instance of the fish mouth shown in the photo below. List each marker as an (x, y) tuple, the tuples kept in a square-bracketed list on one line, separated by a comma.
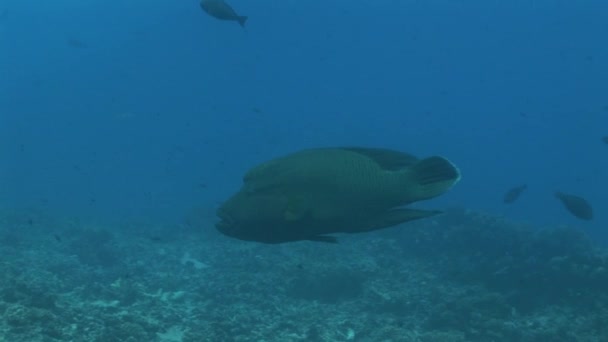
[(226, 225), (225, 228)]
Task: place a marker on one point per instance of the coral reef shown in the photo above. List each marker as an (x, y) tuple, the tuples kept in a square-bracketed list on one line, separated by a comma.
[(464, 276)]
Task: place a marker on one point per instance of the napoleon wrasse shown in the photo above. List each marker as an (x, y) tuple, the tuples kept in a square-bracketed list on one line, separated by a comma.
[(312, 193)]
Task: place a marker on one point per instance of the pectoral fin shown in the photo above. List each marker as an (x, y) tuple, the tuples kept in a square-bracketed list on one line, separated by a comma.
[(297, 208)]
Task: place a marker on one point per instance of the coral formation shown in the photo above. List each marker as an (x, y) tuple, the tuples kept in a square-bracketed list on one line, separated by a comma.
[(462, 277)]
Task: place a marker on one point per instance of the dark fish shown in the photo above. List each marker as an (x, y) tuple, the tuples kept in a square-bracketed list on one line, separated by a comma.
[(605, 139), (310, 194), (576, 205), (513, 194), (221, 10), (76, 43), (156, 238)]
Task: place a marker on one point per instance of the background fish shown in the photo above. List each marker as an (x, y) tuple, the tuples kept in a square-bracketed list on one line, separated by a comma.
[(576, 205), (221, 10), (513, 194), (309, 194)]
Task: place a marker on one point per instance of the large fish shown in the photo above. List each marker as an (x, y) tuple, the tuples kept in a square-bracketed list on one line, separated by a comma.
[(310, 194), (221, 10)]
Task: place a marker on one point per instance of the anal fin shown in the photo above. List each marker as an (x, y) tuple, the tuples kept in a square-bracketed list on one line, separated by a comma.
[(397, 216)]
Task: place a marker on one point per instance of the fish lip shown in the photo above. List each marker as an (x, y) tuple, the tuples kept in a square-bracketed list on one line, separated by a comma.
[(226, 224), (223, 214), (224, 228)]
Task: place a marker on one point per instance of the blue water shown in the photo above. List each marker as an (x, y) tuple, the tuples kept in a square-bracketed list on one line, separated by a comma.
[(115, 110)]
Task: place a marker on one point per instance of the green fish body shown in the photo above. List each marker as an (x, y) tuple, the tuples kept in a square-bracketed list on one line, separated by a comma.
[(312, 193)]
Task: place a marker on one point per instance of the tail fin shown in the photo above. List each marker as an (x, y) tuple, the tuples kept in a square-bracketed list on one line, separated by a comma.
[(242, 20), (431, 177)]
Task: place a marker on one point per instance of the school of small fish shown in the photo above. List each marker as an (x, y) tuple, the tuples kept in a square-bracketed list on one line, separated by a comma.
[(578, 206)]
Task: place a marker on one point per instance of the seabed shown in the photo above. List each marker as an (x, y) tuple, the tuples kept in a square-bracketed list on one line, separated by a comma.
[(464, 276)]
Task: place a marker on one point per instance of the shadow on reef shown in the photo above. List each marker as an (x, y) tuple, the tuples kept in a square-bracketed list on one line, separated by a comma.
[(530, 268)]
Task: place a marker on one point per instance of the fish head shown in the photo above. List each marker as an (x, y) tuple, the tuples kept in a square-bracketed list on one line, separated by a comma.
[(251, 217)]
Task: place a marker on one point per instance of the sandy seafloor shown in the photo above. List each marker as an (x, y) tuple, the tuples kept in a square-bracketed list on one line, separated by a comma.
[(463, 276)]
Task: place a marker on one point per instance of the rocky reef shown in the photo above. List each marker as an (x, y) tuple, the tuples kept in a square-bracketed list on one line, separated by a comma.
[(464, 276)]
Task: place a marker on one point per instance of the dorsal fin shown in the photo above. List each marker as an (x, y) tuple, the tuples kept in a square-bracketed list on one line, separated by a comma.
[(387, 159)]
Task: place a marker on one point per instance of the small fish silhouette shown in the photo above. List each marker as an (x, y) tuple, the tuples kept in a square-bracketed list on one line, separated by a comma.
[(513, 194), (221, 10), (577, 206), (76, 43)]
